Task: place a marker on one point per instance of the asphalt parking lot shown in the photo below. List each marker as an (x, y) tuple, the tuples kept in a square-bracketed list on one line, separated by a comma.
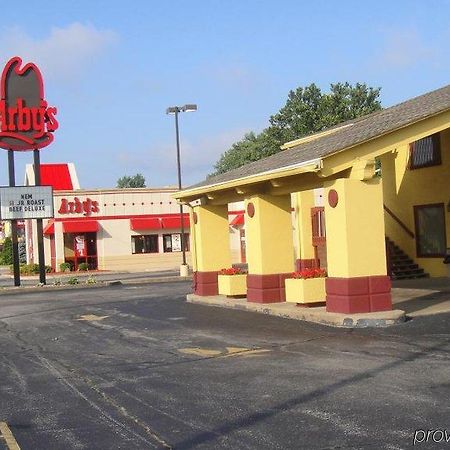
[(137, 367)]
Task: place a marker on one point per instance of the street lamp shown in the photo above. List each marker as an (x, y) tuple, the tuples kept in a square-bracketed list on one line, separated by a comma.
[(176, 110)]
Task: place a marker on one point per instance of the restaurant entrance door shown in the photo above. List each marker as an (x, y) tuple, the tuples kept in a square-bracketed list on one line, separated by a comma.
[(81, 248)]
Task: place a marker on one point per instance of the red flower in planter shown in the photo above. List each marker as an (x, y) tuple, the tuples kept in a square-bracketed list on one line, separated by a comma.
[(232, 271), (309, 273)]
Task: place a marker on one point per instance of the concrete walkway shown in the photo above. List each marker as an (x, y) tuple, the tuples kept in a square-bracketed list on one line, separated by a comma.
[(411, 298), (422, 297)]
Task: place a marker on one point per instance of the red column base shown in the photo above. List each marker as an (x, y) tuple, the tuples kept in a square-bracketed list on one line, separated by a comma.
[(205, 283), (266, 288), (301, 264), (358, 294)]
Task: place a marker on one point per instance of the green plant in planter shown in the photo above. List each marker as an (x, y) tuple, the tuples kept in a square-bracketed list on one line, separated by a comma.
[(83, 267), (65, 267)]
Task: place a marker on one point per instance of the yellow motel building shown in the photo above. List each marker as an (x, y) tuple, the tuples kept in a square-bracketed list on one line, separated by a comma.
[(370, 229)]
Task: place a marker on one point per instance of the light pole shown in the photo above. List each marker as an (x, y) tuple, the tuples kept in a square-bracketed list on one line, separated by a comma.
[(176, 110)]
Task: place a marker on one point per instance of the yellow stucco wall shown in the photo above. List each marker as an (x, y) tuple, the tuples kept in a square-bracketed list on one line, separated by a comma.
[(212, 238), (303, 202), (270, 246), (404, 188), (355, 229)]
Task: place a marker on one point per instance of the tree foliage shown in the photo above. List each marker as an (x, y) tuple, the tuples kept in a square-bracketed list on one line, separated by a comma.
[(307, 110), (135, 181), (6, 254)]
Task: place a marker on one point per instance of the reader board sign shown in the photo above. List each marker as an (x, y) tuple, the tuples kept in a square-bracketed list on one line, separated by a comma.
[(26, 202)]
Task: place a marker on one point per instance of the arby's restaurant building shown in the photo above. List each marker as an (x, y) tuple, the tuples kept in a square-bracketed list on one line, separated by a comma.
[(107, 229)]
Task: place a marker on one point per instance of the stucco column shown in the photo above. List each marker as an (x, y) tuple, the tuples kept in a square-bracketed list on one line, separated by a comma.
[(304, 202), (270, 247), (59, 244), (211, 246), (357, 277)]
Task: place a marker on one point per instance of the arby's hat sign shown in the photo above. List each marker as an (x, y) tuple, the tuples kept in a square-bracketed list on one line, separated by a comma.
[(27, 122)]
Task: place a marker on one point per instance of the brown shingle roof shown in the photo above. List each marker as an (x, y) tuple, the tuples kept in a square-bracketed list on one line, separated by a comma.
[(363, 129)]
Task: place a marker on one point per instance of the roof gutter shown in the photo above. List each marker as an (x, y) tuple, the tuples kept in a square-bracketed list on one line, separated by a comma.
[(312, 165)]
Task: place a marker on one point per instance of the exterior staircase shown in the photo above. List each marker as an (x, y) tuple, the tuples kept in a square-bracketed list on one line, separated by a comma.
[(400, 265)]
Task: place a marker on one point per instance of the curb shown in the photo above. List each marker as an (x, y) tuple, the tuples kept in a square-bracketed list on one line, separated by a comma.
[(17, 290), (316, 315)]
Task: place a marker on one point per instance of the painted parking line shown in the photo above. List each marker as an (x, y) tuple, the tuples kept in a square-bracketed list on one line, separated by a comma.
[(9, 438)]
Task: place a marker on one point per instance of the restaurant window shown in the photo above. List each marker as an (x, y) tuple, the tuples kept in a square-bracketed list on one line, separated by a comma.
[(425, 152), (430, 230), (144, 244), (172, 242)]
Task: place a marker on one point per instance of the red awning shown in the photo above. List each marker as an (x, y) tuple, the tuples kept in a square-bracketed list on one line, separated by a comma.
[(238, 220), (80, 226), (149, 223), (175, 222), (49, 228)]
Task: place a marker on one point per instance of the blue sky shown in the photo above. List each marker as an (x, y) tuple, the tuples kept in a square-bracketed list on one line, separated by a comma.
[(112, 68)]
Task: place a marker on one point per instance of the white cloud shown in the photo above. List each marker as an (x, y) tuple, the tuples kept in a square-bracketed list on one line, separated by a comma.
[(197, 158), (61, 55)]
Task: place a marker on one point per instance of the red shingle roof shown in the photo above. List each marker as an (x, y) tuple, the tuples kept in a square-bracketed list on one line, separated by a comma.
[(56, 175)]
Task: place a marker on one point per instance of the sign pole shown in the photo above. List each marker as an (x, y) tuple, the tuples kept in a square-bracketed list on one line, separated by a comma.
[(15, 244), (39, 226)]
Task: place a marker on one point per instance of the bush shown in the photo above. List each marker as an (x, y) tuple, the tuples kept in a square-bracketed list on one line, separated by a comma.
[(28, 269), (72, 280), (83, 267), (48, 269), (91, 280), (64, 266), (6, 255)]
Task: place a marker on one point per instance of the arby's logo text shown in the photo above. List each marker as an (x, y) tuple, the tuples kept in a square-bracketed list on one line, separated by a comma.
[(27, 120), (86, 207)]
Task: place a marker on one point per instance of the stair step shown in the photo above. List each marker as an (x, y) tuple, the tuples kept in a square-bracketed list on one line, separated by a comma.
[(408, 266), (409, 277), (402, 266)]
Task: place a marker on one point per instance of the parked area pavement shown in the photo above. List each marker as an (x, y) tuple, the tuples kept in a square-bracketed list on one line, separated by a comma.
[(137, 367)]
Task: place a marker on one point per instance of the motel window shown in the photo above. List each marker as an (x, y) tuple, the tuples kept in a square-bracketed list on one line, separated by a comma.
[(144, 244), (425, 152), (172, 242), (430, 230)]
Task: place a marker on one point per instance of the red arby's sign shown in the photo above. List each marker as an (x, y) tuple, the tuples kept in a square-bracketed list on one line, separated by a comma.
[(86, 207), (27, 121)]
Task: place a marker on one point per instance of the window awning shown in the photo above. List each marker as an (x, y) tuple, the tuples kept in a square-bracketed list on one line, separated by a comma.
[(174, 222), (238, 220), (80, 226), (149, 223), (49, 228)]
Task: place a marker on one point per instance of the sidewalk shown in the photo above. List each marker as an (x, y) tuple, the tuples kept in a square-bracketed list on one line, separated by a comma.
[(410, 298), (60, 281)]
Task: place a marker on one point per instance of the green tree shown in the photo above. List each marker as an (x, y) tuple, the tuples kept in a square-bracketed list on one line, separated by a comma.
[(135, 181), (307, 110), (6, 254), (250, 148)]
